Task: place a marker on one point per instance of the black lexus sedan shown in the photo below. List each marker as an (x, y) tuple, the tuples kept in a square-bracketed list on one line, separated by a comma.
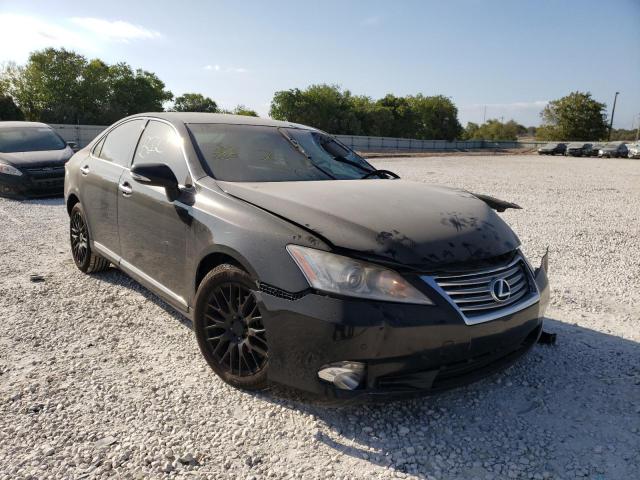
[(578, 149), (553, 149), (299, 262), (614, 150), (32, 158)]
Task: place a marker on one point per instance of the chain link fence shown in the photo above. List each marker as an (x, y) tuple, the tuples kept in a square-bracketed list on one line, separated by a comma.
[(83, 134)]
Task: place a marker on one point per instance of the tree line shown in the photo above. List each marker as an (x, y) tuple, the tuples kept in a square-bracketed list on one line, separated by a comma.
[(61, 86)]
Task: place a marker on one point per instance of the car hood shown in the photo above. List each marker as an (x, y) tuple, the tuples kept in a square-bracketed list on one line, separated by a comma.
[(37, 159), (407, 222)]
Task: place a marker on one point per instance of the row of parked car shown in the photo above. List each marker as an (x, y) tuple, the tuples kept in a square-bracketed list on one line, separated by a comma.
[(603, 150)]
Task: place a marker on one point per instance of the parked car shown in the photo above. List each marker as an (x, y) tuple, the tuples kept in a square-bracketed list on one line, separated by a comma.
[(299, 262), (578, 149), (634, 150), (613, 150), (595, 149), (32, 158), (553, 149)]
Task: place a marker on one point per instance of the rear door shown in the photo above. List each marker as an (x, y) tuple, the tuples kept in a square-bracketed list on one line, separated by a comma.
[(101, 171), (152, 228)]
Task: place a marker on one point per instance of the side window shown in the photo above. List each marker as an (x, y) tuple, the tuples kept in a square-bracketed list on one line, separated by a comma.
[(98, 147), (160, 144), (119, 145)]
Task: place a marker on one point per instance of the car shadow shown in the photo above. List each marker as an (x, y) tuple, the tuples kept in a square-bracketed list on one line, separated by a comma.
[(116, 277), (574, 396), (578, 394)]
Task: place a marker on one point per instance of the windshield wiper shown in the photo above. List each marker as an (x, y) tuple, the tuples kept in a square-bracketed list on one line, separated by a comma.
[(381, 174), (369, 172)]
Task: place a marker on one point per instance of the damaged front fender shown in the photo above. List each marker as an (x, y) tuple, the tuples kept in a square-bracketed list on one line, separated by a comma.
[(542, 281)]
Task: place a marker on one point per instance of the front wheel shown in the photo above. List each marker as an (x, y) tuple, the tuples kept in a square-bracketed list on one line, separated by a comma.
[(229, 329), (83, 256)]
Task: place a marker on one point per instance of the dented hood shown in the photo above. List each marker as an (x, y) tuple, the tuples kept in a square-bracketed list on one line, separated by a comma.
[(407, 222)]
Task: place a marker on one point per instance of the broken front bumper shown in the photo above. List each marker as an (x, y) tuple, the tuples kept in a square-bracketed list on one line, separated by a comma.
[(406, 349)]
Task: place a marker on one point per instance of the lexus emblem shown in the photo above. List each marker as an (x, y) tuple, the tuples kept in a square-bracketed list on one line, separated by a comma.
[(500, 290)]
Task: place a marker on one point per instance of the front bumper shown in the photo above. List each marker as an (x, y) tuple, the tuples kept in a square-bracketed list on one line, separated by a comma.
[(407, 349), (35, 183)]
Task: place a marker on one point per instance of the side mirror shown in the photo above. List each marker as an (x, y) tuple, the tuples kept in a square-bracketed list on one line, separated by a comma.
[(73, 146), (157, 175)]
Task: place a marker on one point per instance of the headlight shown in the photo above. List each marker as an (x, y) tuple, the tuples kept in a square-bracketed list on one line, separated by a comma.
[(333, 273), (9, 170)]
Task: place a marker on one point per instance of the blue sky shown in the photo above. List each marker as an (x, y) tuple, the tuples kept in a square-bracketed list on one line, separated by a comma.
[(510, 56)]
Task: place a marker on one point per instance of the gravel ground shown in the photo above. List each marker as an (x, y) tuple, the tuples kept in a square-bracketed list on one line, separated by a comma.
[(98, 378)]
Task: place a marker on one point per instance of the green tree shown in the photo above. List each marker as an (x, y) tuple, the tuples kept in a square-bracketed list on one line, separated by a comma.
[(330, 108), (242, 110), (9, 110), (470, 131), (623, 134), (60, 86), (576, 116), (437, 117), (326, 107), (494, 130), (195, 102)]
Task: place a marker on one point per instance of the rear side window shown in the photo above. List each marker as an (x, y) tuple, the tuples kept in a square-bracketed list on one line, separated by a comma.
[(161, 144), (96, 150), (120, 143)]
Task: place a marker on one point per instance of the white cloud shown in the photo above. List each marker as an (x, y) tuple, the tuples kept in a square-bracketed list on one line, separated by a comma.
[(22, 34), (537, 104), (116, 30), (218, 68)]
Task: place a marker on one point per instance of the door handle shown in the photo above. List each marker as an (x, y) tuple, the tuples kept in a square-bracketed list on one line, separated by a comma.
[(84, 170), (125, 188)]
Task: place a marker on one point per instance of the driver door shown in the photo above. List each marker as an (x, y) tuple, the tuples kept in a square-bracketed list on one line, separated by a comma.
[(152, 232)]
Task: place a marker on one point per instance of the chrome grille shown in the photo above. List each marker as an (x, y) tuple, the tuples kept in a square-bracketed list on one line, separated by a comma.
[(471, 291)]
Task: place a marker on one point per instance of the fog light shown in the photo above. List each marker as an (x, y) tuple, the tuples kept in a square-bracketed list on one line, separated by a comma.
[(344, 375)]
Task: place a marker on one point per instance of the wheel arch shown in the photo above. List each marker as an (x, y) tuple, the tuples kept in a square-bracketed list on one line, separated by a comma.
[(72, 200), (219, 256)]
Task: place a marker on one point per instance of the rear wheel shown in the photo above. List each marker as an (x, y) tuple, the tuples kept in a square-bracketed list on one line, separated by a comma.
[(83, 256), (229, 329)]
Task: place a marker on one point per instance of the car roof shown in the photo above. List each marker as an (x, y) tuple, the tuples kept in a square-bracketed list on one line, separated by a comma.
[(23, 124), (223, 118)]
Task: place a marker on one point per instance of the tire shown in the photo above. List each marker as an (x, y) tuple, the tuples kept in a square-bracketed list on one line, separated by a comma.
[(228, 325), (85, 259)]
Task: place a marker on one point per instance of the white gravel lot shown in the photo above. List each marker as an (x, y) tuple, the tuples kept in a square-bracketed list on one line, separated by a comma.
[(100, 379)]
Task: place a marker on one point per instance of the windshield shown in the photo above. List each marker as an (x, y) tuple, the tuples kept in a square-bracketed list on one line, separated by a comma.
[(246, 153), (551, 145), (29, 139), (575, 145)]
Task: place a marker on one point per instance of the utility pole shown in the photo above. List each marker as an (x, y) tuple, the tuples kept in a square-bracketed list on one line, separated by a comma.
[(613, 110), (484, 116), (638, 129)]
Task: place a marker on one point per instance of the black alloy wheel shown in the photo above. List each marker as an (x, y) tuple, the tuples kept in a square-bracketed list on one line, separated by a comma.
[(235, 330), (83, 256), (79, 238), (229, 327)]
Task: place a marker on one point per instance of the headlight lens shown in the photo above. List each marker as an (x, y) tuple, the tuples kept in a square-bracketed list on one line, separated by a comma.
[(333, 273), (9, 170)]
